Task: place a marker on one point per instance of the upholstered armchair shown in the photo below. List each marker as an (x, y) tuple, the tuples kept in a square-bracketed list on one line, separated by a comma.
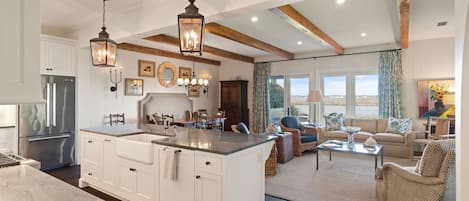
[(303, 138), (426, 181)]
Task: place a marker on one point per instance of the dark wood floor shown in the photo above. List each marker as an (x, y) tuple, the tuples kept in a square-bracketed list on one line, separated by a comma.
[(72, 174)]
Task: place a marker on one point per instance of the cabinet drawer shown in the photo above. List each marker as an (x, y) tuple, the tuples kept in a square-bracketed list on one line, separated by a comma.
[(90, 172), (209, 163)]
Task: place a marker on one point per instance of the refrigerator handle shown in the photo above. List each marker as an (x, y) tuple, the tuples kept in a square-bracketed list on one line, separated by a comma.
[(48, 105), (54, 104)]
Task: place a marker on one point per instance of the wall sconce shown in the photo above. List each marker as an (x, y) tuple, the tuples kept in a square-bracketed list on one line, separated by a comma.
[(116, 79)]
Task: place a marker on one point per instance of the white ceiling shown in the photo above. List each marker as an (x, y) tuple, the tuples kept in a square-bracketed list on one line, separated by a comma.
[(425, 14), (63, 16), (344, 23)]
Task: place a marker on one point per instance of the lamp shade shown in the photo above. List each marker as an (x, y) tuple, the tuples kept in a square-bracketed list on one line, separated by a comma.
[(191, 30), (315, 96)]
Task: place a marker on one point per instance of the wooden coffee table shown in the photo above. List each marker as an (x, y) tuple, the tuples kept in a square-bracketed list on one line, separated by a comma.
[(358, 148)]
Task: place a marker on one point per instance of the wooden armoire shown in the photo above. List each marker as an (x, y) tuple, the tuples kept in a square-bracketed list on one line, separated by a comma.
[(234, 101)]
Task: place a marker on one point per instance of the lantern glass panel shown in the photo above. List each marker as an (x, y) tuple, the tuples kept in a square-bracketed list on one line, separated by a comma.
[(190, 33), (111, 56)]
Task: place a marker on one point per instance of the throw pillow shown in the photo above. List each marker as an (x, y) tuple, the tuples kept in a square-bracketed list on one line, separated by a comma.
[(334, 121), (398, 126)]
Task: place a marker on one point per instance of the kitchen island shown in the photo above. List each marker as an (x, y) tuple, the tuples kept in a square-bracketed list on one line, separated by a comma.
[(211, 165), (25, 183)]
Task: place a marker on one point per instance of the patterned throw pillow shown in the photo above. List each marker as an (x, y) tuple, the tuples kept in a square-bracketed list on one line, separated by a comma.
[(334, 121), (398, 126)]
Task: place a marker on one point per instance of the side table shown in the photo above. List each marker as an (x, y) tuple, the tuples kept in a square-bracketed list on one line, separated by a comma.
[(284, 143)]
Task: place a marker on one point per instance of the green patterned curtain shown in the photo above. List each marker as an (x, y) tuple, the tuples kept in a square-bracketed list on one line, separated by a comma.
[(261, 103), (390, 84)]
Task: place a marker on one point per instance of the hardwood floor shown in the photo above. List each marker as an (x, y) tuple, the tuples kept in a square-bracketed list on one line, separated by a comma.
[(71, 175)]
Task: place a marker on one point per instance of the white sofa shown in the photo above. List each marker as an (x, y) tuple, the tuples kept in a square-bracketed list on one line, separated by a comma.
[(398, 145)]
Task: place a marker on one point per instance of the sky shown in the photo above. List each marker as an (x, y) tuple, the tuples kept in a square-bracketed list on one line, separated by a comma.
[(365, 85)]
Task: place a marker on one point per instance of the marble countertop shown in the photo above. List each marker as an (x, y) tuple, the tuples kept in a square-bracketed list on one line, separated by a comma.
[(24, 183), (213, 141), (116, 131)]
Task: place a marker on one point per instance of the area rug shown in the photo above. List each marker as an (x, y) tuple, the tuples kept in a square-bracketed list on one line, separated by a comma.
[(347, 177)]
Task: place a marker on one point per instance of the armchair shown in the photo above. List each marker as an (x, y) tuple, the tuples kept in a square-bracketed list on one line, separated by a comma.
[(426, 181), (303, 138)]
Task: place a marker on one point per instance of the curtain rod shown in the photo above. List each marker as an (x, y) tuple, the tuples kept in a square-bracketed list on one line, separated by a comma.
[(325, 56)]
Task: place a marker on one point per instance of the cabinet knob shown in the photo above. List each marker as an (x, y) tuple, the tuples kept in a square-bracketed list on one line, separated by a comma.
[(132, 169), (107, 140), (89, 141), (197, 177), (90, 174), (207, 163)]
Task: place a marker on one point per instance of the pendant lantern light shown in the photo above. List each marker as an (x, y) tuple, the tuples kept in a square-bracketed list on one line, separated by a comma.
[(103, 49), (191, 30)]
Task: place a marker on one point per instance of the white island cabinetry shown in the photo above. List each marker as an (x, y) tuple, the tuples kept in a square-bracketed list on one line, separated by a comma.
[(201, 175)]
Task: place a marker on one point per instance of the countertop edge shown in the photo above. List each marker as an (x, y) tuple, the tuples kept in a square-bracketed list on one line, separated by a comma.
[(111, 134), (212, 151)]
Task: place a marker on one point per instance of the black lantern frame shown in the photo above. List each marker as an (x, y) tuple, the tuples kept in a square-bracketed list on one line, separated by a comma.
[(194, 21)]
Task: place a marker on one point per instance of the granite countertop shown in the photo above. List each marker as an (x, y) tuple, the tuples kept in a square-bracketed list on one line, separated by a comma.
[(116, 131), (24, 183), (213, 141)]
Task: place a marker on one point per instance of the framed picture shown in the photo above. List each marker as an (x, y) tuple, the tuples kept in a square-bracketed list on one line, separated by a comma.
[(436, 98), (193, 91), (185, 72), (133, 87), (146, 68)]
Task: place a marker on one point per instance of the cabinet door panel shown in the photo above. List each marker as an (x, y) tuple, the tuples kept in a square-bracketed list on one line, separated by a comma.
[(183, 188), (92, 150), (60, 57), (19, 52), (109, 162), (209, 187), (127, 179), (145, 184)]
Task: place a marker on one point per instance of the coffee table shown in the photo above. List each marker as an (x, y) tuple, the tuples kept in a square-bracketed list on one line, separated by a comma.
[(357, 148)]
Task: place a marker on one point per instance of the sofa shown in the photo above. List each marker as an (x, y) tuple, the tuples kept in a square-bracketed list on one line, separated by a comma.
[(397, 145)]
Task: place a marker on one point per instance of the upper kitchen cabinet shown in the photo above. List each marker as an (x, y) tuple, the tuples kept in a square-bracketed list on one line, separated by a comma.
[(57, 56), (19, 52)]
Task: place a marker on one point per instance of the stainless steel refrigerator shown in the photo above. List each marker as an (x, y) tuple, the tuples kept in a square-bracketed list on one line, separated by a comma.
[(47, 131)]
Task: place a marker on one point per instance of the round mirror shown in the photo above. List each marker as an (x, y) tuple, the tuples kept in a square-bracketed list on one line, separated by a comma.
[(167, 74)]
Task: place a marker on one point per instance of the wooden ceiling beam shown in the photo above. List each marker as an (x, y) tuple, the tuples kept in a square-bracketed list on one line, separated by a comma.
[(162, 38), (404, 8), (231, 34), (164, 53), (296, 19)]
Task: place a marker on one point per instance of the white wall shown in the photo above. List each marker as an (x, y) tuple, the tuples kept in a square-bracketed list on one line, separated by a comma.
[(96, 100), (462, 98), (425, 59), (236, 70)]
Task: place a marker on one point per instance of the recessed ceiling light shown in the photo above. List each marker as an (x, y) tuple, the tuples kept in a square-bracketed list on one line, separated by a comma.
[(299, 42), (363, 34), (254, 19), (340, 2)]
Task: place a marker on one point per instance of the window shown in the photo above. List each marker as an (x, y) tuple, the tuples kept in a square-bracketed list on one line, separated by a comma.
[(335, 94), (353, 94), (277, 98), (366, 95), (299, 90)]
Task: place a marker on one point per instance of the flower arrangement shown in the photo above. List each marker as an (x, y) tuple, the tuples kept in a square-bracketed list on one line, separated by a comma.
[(437, 91)]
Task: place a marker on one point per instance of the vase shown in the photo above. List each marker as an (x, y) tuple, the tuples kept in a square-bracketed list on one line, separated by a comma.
[(350, 139)]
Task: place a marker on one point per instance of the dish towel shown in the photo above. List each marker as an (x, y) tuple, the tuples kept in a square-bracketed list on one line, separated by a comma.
[(171, 164)]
